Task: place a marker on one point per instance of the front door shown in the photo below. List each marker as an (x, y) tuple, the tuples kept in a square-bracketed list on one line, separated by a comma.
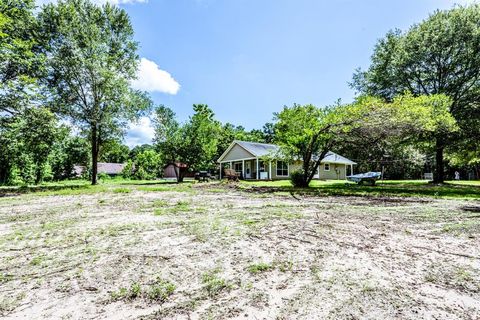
[(248, 170)]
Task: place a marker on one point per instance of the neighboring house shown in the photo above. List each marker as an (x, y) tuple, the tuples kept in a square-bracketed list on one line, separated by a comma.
[(111, 169), (246, 158)]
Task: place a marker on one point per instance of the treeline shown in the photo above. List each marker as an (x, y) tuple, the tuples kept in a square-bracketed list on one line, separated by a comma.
[(66, 99)]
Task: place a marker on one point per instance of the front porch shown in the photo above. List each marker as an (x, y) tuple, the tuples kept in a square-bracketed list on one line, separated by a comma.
[(249, 169)]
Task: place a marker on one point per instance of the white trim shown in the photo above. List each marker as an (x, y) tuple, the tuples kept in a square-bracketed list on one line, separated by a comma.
[(237, 160), (276, 169), (324, 168), (270, 170), (339, 162), (243, 169), (258, 169)]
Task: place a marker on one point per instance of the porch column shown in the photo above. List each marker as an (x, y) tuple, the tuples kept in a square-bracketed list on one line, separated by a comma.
[(231, 165), (270, 170), (258, 170), (243, 169), (221, 167)]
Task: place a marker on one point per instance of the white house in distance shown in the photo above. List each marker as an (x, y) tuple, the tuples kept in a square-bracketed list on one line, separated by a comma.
[(246, 158)]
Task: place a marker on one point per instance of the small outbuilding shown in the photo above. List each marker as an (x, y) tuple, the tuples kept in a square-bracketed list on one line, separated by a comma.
[(246, 159)]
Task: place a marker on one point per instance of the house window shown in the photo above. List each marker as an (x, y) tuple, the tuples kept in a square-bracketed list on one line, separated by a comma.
[(326, 167), (238, 167), (282, 169)]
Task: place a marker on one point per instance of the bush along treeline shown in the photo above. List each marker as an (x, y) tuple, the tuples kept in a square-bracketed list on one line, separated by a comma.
[(66, 99)]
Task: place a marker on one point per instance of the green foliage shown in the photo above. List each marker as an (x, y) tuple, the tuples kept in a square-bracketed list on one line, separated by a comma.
[(307, 133), (440, 55), (114, 151), (146, 165), (229, 132), (193, 144), (296, 178), (259, 267), (68, 151), (91, 60), (213, 284), (21, 57), (127, 171), (27, 141), (160, 290)]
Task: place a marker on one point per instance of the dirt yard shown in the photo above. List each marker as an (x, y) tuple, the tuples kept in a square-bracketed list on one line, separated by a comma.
[(207, 251)]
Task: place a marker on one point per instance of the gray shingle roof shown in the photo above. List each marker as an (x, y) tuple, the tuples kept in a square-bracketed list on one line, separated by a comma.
[(262, 149), (258, 149), (110, 168), (336, 158)]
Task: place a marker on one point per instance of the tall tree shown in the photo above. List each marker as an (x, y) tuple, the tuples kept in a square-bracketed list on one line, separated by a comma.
[(20, 54), (269, 132), (193, 144), (92, 58), (440, 55), (308, 133)]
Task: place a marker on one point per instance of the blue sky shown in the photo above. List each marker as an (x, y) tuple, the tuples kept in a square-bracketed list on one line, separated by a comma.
[(248, 58)]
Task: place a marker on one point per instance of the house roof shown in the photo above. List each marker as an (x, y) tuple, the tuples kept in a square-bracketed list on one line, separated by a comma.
[(110, 168), (258, 149), (332, 157)]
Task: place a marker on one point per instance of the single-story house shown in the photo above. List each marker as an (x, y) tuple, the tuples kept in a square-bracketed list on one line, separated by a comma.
[(247, 160)]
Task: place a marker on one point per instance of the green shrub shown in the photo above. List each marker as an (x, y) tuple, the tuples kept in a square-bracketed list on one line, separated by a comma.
[(103, 176), (213, 284), (161, 289), (259, 267), (296, 179)]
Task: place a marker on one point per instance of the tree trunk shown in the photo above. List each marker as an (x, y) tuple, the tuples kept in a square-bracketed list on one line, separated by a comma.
[(38, 174), (439, 165), (94, 143)]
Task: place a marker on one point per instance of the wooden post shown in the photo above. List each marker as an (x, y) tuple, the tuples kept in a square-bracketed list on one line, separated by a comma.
[(258, 170), (270, 170)]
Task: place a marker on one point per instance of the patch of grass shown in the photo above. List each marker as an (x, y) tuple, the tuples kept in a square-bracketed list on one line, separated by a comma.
[(181, 206), (160, 203), (5, 277), (457, 277), (10, 303), (213, 284), (462, 228), (121, 190), (160, 290), (259, 267), (285, 266), (154, 188), (36, 261), (399, 188), (159, 212)]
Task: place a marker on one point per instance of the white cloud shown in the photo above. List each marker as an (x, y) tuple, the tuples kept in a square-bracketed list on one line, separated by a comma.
[(151, 78), (140, 133), (116, 2)]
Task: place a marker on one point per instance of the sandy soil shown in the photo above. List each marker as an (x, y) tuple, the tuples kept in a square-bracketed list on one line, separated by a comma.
[(211, 252)]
